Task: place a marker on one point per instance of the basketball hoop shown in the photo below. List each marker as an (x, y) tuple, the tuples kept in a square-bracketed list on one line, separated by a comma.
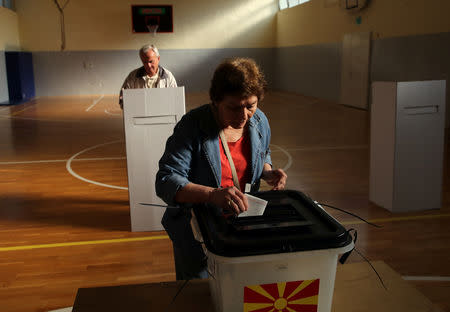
[(152, 18), (152, 29)]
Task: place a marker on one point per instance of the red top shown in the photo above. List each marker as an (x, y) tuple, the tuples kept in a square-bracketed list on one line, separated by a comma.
[(240, 152)]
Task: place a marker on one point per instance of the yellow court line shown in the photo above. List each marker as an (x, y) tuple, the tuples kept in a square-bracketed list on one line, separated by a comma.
[(409, 218), (93, 242), (159, 237), (22, 110), (18, 112)]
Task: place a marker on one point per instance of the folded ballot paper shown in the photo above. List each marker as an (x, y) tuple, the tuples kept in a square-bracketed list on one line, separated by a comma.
[(256, 206)]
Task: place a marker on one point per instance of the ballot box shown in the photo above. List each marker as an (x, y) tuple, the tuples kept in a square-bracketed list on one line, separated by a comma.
[(149, 118), (407, 128), (284, 260)]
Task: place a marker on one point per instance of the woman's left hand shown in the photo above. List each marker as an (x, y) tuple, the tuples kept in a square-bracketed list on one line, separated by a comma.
[(275, 178)]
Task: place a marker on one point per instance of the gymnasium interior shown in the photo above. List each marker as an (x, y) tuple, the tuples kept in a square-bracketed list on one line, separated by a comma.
[(64, 199)]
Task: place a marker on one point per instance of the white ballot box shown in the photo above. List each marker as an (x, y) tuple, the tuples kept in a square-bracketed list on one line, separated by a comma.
[(149, 118), (407, 129)]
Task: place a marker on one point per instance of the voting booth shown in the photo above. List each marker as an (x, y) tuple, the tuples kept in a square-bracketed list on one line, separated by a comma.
[(283, 260), (149, 118), (407, 128)]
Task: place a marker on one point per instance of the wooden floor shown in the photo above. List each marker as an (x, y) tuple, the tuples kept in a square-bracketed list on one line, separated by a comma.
[(61, 230)]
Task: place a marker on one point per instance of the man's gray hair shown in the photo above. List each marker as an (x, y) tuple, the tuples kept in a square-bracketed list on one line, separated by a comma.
[(147, 47)]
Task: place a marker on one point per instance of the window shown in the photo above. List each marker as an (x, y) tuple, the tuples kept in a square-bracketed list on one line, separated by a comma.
[(7, 4), (284, 4)]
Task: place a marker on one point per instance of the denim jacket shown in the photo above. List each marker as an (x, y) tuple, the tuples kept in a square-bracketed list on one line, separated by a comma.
[(192, 154)]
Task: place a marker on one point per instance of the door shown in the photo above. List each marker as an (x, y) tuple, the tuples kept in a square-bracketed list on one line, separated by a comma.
[(355, 70)]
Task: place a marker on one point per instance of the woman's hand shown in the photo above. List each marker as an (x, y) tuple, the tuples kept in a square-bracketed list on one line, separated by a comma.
[(229, 198), (275, 178)]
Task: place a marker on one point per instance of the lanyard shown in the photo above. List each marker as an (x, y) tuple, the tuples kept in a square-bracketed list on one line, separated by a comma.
[(230, 159)]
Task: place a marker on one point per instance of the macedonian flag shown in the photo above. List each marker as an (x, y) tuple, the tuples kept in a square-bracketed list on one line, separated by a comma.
[(299, 296)]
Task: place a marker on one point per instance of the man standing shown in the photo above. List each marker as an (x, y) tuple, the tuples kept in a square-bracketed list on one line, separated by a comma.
[(151, 75)]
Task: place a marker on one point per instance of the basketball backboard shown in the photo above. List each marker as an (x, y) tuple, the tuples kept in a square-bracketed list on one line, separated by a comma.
[(152, 18)]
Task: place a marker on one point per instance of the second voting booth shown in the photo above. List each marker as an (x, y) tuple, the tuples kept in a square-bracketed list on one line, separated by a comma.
[(149, 118), (407, 132)]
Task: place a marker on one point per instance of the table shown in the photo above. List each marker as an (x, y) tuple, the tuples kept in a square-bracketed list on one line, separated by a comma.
[(357, 289)]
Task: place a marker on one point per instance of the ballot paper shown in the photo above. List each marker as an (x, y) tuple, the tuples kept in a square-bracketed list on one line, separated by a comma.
[(256, 206)]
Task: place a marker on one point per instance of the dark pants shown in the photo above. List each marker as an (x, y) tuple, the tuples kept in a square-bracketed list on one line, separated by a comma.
[(190, 260)]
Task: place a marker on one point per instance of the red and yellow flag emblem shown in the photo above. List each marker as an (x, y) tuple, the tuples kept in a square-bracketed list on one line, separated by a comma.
[(299, 296)]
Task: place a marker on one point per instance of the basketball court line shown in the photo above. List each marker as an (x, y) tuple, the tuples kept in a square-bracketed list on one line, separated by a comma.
[(14, 114), (287, 166), (109, 113), (68, 309), (73, 173), (326, 148), (57, 160), (279, 149), (82, 243), (17, 112), (95, 102), (76, 175), (285, 152), (39, 119), (22, 110), (395, 219), (160, 237), (427, 278)]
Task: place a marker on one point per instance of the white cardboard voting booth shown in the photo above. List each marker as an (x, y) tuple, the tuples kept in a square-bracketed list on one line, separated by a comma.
[(407, 144), (149, 118)]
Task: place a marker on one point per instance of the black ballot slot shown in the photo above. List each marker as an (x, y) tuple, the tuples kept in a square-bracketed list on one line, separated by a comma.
[(279, 215), (291, 222)]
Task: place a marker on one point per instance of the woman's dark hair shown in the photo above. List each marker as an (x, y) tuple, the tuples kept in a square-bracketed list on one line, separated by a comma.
[(237, 77)]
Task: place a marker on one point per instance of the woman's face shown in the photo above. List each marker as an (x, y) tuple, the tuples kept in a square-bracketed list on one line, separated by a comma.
[(235, 111)]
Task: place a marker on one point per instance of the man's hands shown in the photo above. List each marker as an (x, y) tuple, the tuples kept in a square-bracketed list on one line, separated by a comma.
[(275, 178), (229, 198)]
